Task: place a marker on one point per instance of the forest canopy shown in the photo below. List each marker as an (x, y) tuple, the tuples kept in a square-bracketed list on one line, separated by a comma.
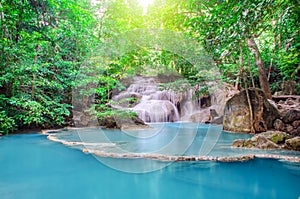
[(45, 44)]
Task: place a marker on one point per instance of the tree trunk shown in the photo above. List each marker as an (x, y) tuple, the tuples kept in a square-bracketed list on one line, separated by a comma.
[(236, 85), (261, 67), (246, 89)]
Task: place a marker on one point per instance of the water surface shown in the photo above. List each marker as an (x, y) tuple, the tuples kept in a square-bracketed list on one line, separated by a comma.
[(173, 139), (33, 167)]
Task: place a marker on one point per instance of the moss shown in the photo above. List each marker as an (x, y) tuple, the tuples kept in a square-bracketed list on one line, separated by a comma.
[(279, 138), (248, 144)]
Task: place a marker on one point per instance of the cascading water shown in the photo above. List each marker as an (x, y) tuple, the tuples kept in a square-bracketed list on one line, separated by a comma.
[(159, 106), (157, 111), (189, 105)]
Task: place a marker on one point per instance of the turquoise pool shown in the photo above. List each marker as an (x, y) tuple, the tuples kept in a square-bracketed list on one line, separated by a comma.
[(31, 166)]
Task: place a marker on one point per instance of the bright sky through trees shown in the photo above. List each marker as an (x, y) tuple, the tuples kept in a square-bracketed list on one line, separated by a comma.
[(145, 4)]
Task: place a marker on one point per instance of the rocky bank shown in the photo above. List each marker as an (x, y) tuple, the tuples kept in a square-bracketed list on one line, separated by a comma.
[(270, 140), (283, 125)]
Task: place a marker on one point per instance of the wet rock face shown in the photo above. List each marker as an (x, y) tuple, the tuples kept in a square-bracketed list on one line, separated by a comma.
[(202, 117), (236, 118), (237, 112)]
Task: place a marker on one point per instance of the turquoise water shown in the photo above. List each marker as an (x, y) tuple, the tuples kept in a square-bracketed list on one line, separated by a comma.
[(173, 139), (33, 167)]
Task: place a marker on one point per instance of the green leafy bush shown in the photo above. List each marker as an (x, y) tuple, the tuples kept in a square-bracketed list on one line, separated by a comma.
[(7, 124)]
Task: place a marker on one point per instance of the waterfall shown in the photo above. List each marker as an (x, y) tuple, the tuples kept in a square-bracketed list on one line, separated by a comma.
[(189, 105), (155, 105), (157, 111)]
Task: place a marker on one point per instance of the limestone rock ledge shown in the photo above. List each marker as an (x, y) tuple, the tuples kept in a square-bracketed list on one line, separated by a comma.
[(168, 158)]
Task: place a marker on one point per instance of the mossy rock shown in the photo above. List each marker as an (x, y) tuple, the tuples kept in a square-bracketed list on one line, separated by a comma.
[(293, 143), (278, 137)]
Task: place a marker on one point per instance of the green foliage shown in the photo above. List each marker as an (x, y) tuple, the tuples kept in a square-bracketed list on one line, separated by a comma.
[(152, 62), (290, 66), (105, 86), (182, 85), (44, 112), (223, 26), (42, 45), (7, 124), (45, 46), (111, 118), (147, 60), (120, 114), (279, 138)]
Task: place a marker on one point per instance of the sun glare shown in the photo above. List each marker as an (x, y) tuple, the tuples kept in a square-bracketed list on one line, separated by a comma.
[(145, 4)]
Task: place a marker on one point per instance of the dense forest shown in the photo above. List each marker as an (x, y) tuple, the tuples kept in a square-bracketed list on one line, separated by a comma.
[(45, 44)]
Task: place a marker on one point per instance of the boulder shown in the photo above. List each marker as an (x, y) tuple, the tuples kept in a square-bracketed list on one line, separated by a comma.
[(132, 124), (261, 142), (298, 131), (238, 143), (237, 114), (279, 125), (243, 143), (270, 140), (278, 137), (108, 122), (296, 123), (291, 116), (122, 122), (258, 141), (286, 103), (293, 143), (217, 120), (202, 117), (289, 129)]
